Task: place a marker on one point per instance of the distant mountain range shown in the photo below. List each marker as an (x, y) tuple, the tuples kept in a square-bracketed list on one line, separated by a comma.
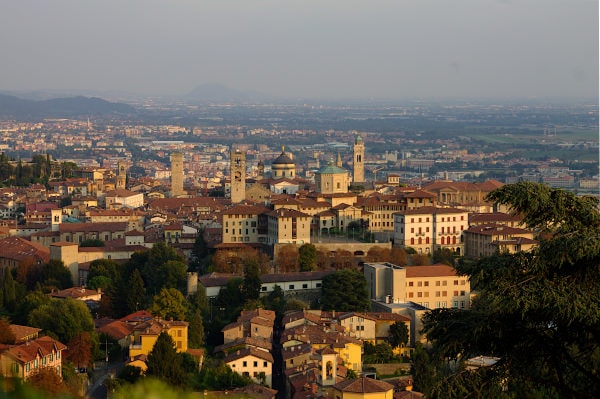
[(18, 108)]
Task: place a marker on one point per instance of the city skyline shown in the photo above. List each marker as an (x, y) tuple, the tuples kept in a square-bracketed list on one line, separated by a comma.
[(305, 49)]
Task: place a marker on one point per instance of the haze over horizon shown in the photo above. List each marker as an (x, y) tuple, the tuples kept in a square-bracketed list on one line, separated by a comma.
[(313, 49)]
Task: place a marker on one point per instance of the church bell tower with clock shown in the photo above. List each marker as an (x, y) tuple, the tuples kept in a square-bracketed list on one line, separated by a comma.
[(238, 176)]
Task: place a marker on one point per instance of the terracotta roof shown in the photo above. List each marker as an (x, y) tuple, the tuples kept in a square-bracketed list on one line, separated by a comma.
[(243, 209), (493, 228), (363, 385), (27, 352), (21, 250), (22, 332), (121, 192), (249, 352), (438, 270), (287, 213), (92, 227), (117, 329)]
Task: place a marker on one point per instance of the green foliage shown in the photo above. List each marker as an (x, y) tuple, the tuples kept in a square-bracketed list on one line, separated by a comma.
[(381, 353), (134, 297), (130, 374), (537, 311), (307, 257), (31, 301), (295, 304), (92, 243), (345, 291), (443, 255), (216, 375), (149, 388), (200, 254), (164, 363), (6, 334), (398, 334), (62, 318), (196, 329), (161, 267), (99, 282), (8, 287), (230, 299), (169, 303), (252, 282)]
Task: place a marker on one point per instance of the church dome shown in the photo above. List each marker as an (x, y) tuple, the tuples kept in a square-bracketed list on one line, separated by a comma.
[(283, 159), (332, 169)]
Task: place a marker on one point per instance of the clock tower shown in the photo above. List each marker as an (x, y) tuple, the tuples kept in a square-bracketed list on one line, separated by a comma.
[(237, 173)]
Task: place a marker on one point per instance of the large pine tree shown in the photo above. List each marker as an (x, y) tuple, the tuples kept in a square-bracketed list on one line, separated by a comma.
[(164, 363), (537, 312)]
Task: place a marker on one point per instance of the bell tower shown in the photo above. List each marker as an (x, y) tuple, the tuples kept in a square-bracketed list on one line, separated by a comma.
[(359, 161), (121, 174), (237, 171)]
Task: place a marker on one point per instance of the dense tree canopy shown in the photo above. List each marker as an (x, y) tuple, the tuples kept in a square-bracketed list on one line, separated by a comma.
[(163, 361), (62, 318), (345, 291), (307, 257), (537, 312)]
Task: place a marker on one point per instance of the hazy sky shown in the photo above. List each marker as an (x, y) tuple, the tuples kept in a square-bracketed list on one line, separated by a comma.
[(309, 48)]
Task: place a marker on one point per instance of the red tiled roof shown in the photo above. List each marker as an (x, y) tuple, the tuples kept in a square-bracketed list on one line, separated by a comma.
[(363, 385), (22, 250), (437, 270)]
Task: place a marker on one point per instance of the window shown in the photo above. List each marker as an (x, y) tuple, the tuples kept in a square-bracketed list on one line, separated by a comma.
[(426, 294), (419, 283), (437, 283), (255, 364), (437, 293), (444, 283), (410, 294), (291, 286), (305, 286), (419, 294), (455, 304), (264, 364), (462, 293), (410, 283), (455, 293), (318, 285), (244, 364), (444, 293), (462, 304), (455, 282), (263, 288)]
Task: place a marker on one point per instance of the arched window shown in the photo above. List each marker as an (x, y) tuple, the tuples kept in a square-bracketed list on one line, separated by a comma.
[(443, 240)]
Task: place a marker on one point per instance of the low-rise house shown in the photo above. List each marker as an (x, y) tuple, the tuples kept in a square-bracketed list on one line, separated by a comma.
[(490, 239), (251, 323), (254, 363), (146, 333), (363, 388), (23, 360)]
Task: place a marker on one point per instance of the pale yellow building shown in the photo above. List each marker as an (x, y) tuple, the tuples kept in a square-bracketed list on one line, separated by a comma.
[(145, 335), (288, 226), (244, 224), (490, 239), (431, 286), (332, 179)]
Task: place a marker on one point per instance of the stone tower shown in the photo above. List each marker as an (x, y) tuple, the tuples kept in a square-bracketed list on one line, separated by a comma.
[(237, 169), (121, 174), (176, 174), (359, 160)]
